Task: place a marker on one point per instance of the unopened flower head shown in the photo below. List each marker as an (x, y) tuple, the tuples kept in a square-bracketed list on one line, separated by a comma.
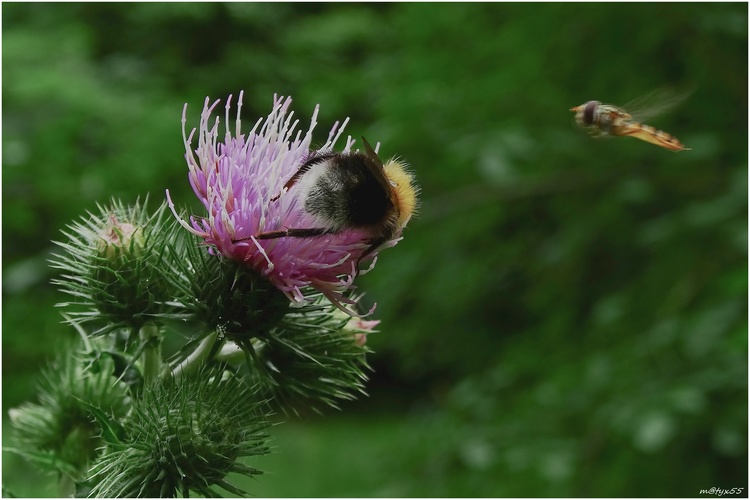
[(360, 328), (113, 264), (117, 237), (241, 180)]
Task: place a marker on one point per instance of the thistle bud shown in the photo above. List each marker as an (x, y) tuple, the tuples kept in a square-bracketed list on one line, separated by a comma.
[(114, 265), (360, 328), (312, 356), (185, 435), (118, 237), (61, 426)]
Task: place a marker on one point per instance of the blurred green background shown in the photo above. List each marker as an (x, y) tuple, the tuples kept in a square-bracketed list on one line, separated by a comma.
[(567, 317)]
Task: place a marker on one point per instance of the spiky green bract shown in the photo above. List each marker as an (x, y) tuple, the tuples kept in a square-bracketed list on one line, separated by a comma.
[(60, 432), (310, 358), (185, 435), (114, 265), (299, 354), (226, 295)]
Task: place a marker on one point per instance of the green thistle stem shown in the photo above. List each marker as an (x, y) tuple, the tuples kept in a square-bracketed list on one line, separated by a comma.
[(198, 357), (66, 487), (230, 353), (233, 354), (152, 351)]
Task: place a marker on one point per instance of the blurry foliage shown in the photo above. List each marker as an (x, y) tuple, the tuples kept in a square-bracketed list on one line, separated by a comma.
[(569, 316)]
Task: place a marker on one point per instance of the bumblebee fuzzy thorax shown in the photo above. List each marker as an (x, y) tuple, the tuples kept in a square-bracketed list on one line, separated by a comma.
[(404, 190)]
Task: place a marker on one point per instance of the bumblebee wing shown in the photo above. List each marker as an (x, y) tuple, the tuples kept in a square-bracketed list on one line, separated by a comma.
[(650, 134), (376, 168)]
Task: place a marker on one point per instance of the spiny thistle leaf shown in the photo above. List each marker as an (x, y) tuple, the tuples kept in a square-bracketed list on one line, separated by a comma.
[(46, 460), (126, 372), (112, 432)]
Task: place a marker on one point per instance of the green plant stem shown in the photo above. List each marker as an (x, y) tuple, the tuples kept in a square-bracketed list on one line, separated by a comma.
[(66, 487), (152, 351), (198, 357), (231, 353)]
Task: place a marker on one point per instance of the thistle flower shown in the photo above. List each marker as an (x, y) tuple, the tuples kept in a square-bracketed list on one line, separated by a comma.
[(240, 181)]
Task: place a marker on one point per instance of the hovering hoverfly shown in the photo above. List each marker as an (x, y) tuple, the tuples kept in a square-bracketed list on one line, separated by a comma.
[(608, 120)]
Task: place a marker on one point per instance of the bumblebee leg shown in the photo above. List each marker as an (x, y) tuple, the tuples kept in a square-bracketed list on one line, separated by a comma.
[(291, 233)]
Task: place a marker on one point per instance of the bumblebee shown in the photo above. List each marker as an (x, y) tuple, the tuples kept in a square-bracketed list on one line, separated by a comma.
[(354, 190)]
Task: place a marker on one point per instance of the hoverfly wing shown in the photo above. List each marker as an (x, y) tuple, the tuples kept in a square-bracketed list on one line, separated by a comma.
[(656, 103)]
